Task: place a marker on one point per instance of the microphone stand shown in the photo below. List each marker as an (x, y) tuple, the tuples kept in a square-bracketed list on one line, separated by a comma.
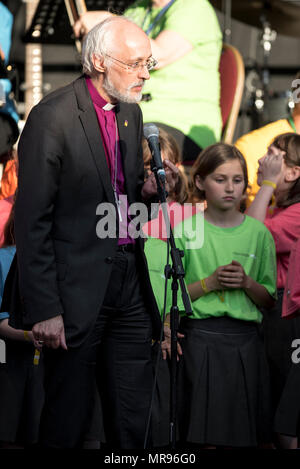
[(177, 273)]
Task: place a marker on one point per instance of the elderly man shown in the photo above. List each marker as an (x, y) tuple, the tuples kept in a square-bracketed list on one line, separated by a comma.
[(80, 149), (183, 95)]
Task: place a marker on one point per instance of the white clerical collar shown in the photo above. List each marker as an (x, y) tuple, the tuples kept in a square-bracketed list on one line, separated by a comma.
[(108, 107)]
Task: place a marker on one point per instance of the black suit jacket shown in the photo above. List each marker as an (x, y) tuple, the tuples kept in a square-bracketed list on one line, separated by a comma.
[(63, 176)]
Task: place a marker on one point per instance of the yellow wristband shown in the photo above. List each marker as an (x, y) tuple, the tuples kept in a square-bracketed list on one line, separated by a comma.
[(266, 182), (166, 323), (26, 336), (36, 358), (204, 286)]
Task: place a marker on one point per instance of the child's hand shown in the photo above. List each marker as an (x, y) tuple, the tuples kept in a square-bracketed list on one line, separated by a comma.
[(271, 164), (36, 343), (233, 276), (166, 344), (213, 281), (149, 188)]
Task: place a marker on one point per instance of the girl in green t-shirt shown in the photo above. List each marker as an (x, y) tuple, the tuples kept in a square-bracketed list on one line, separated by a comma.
[(223, 386)]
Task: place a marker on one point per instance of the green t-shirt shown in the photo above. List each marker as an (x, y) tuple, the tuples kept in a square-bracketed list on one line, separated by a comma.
[(186, 93), (156, 254), (250, 243)]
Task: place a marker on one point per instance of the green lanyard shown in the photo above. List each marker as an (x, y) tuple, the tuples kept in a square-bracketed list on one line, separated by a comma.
[(292, 124)]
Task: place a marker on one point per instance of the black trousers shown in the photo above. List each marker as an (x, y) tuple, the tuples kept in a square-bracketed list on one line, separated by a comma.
[(118, 353)]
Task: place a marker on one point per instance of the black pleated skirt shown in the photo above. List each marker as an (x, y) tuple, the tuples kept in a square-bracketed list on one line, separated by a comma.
[(278, 335), (287, 417), (21, 394), (223, 384)]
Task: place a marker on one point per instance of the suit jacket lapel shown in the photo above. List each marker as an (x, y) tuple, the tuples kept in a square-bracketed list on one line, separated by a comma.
[(125, 134), (88, 117)]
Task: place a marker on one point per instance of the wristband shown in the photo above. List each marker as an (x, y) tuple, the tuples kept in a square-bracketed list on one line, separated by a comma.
[(36, 358), (266, 182), (204, 286), (221, 296), (26, 336), (166, 323)]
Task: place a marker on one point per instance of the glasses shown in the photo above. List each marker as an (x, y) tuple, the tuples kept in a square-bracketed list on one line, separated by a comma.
[(149, 64)]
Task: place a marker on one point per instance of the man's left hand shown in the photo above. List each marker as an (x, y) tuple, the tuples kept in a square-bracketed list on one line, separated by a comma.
[(172, 175)]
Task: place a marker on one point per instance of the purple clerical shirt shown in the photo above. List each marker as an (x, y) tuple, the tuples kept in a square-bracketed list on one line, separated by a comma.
[(106, 115)]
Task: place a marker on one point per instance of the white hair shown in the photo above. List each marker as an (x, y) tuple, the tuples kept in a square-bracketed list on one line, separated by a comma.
[(98, 41)]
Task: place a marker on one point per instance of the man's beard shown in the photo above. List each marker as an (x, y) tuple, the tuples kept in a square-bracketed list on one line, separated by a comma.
[(125, 97)]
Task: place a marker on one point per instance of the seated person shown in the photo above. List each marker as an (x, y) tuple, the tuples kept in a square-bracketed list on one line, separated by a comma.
[(183, 94)]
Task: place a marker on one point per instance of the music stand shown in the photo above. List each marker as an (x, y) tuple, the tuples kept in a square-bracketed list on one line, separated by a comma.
[(51, 25)]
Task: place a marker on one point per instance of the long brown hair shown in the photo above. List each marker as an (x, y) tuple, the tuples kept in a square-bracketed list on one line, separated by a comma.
[(290, 144), (213, 157)]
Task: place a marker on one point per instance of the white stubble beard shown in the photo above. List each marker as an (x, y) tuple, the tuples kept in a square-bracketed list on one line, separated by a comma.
[(126, 97)]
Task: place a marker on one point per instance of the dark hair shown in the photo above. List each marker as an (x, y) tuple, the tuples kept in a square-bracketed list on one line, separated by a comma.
[(169, 146), (290, 144), (213, 157)]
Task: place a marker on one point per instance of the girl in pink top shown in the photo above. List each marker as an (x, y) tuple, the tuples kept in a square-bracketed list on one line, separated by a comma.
[(287, 418), (291, 297), (279, 179)]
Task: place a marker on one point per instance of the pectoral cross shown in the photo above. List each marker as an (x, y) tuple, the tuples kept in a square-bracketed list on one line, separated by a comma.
[(118, 204)]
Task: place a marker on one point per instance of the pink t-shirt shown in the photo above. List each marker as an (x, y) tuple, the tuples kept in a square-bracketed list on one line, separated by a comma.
[(5, 209), (156, 228), (284, 224), (291, 297)]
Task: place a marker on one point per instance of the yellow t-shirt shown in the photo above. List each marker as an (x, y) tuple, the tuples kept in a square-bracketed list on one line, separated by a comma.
[(254, 145)]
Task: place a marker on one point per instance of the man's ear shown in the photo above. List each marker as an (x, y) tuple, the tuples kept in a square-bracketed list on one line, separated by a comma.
[(199, 183), (292, 174), (98, 63)]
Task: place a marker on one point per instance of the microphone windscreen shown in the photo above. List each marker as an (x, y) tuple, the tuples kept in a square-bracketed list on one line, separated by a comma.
[(150, 130)]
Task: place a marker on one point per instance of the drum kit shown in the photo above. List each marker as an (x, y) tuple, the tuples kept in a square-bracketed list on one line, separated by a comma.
[(272, 17)]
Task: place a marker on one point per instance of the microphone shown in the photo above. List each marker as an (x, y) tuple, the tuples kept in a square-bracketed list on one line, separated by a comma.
[(151, 134)]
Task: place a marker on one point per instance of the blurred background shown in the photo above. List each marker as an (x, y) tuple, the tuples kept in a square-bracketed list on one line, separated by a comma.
[(44, 55)]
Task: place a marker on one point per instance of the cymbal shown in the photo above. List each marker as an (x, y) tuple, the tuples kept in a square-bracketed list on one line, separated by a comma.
[(283, 15)]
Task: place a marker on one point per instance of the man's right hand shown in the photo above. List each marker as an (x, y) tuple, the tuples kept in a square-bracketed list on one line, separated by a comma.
[(50, 333)]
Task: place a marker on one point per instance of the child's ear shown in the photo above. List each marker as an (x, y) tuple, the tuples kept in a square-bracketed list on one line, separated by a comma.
[(199, 183), (292, 174)]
